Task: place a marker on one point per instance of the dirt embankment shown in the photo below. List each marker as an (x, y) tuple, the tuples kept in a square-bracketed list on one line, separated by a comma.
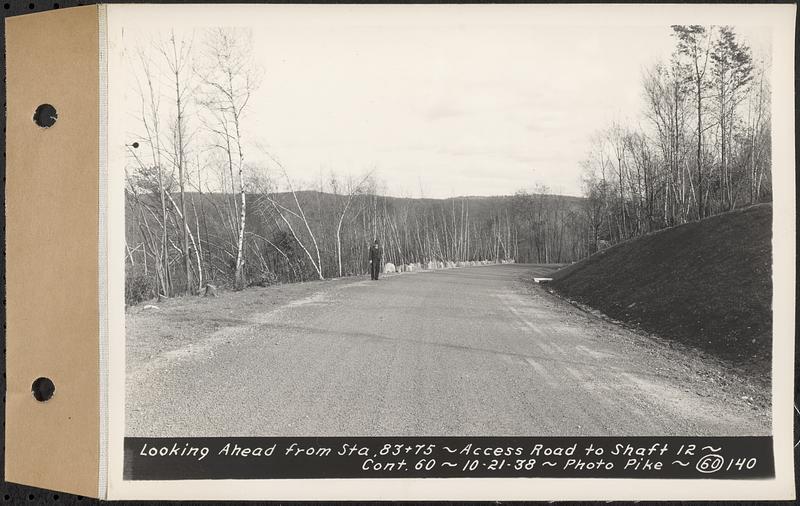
[(706, 284)]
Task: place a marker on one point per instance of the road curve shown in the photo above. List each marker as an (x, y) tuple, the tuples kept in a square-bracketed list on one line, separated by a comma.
[(470, 351)]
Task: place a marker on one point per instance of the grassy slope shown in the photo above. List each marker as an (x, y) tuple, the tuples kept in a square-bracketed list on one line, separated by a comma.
[(706, 284)]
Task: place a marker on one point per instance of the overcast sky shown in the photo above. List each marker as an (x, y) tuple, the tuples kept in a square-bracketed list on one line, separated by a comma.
[(446, 105), (482, 110)]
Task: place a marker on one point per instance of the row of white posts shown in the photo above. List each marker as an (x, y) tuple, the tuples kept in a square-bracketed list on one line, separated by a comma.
[(432, 265)]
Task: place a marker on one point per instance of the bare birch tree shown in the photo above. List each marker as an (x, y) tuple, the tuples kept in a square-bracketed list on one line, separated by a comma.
[(285, 214), (229, 77), (177, 58), (150, 100), (350, 191)]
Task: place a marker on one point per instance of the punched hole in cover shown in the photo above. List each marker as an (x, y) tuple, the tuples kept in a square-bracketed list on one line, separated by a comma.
[(43, 389), (45, 116)]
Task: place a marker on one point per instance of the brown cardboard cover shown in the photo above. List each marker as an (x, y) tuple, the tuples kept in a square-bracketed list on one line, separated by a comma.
[(52, 250)]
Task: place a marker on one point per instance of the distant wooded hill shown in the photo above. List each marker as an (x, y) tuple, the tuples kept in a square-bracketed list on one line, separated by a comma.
[(312, 234)]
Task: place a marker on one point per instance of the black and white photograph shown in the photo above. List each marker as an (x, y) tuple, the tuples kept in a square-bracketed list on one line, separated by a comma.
[(437, 221)]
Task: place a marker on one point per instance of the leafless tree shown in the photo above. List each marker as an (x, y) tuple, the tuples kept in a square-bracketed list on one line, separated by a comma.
[(229, 76), (286, 214), (349, 190)]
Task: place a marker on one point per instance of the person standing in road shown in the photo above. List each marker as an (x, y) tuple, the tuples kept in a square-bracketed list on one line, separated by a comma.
[(375, 254)]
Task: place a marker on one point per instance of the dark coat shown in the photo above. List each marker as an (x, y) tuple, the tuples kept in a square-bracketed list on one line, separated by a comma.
[(375, 254)]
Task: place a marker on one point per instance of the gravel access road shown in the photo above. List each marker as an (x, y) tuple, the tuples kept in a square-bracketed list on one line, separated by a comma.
[(458, 352)]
